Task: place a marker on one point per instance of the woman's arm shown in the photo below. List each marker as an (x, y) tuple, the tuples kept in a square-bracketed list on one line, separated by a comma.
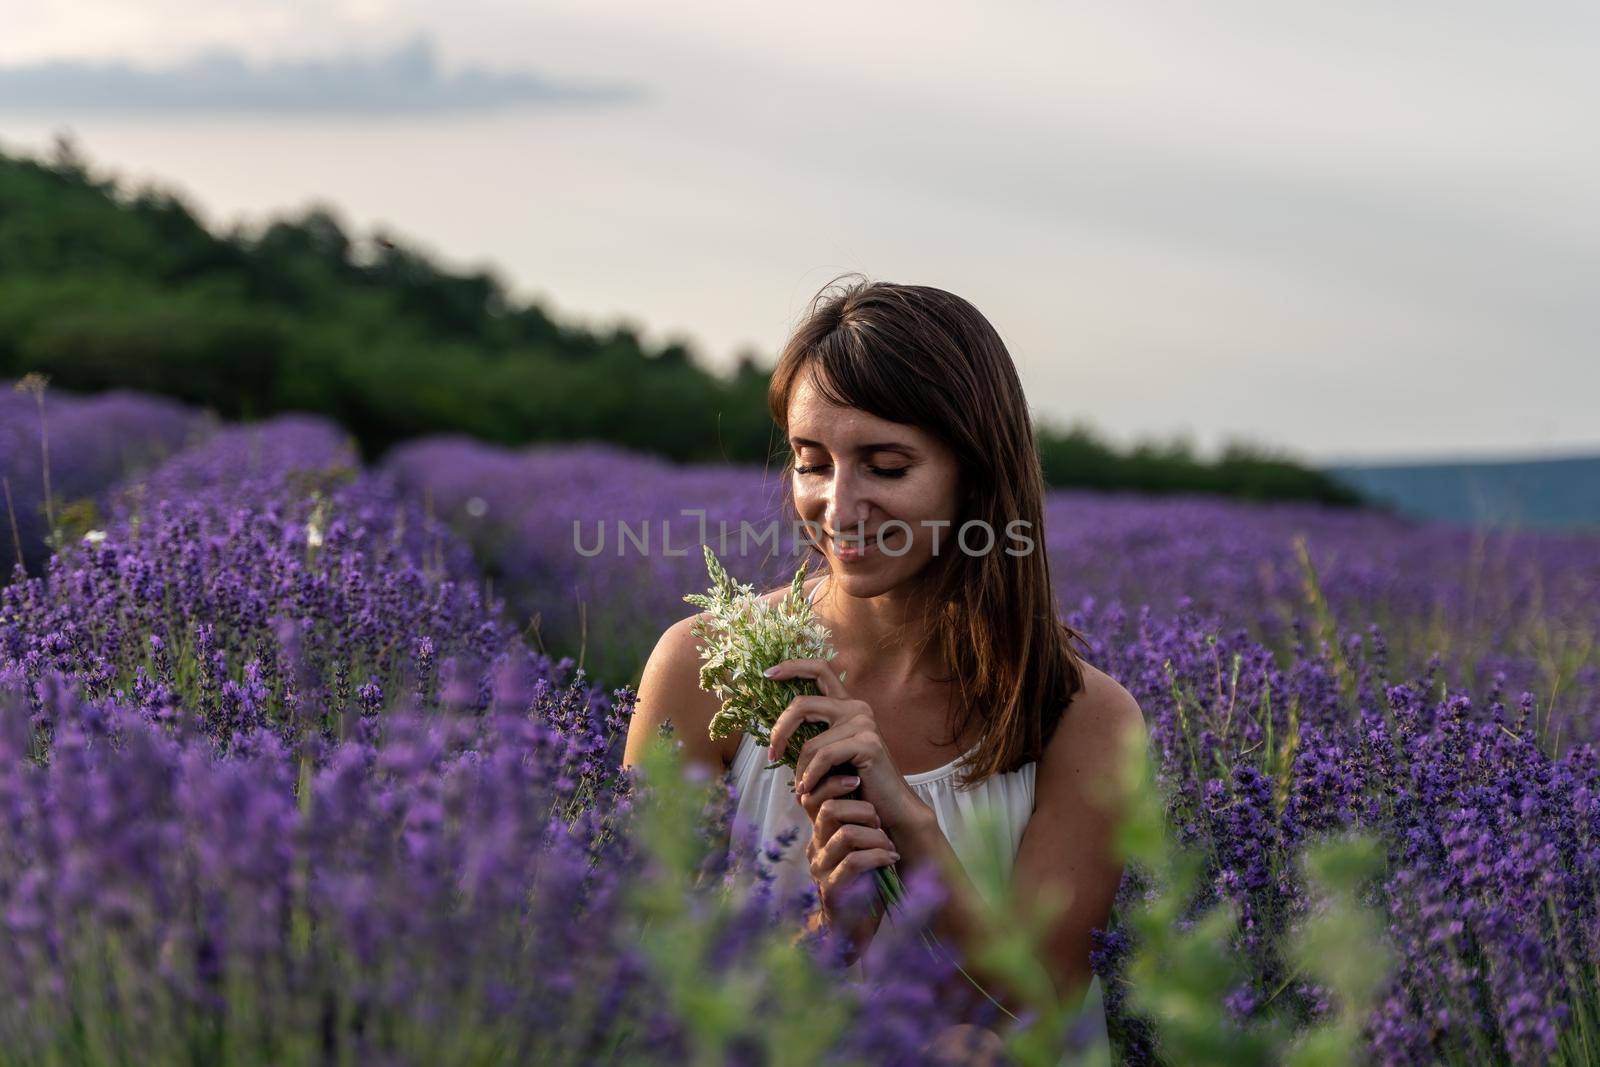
[(1067, 848), (670, 689)]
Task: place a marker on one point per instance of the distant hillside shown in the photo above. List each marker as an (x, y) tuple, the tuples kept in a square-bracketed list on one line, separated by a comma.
[(102, 288), (1548, 493)]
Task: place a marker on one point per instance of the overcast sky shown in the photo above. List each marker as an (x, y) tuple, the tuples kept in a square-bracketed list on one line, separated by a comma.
[(1362, 231)]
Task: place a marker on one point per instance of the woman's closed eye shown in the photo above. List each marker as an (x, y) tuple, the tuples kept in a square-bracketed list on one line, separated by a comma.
[(882, 472)]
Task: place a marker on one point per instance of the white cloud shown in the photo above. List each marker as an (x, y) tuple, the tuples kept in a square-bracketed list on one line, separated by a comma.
[(406, 79)]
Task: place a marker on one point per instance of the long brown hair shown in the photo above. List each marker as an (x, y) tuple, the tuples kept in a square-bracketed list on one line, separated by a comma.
[(923, 357)]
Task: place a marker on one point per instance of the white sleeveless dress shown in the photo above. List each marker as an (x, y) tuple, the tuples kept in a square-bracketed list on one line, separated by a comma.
[(766, 801)]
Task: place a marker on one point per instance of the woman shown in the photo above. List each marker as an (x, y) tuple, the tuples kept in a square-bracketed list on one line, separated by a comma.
[(913, 457)]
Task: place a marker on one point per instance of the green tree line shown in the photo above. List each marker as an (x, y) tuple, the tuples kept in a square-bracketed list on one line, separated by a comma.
[(103, 286)]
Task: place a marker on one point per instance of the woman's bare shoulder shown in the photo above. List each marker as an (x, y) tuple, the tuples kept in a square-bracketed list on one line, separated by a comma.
[(1094, 728), (669, 689)]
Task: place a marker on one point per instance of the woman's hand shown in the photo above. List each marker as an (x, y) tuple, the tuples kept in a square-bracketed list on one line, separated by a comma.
[(851, 737), (847, 843)]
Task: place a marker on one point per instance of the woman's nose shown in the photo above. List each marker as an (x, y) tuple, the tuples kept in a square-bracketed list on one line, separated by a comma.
[(847, 506)]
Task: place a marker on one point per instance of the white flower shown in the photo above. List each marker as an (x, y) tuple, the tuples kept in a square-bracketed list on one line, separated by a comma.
[(744, 635)]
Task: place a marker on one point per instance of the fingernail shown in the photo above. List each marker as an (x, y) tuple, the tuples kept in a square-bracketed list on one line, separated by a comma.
[(895, 856), (851, 780), (770, 671)]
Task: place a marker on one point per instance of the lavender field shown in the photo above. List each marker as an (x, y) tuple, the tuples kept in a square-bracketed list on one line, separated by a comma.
[(289, 778), (1521, 604)]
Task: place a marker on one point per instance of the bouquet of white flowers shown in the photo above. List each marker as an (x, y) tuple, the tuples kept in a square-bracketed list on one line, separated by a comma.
[(744, 635)]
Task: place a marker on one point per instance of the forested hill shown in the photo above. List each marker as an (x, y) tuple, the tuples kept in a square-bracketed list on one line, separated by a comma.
[(103, 285)]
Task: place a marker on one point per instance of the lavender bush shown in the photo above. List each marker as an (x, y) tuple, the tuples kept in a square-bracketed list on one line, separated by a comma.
[(60, 451), (259, 580), (1489, 890)]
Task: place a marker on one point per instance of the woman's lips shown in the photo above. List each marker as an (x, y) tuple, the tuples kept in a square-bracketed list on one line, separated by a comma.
[(853, 549)]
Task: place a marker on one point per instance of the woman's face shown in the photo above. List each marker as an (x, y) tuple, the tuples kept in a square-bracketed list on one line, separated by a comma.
[(858, 477)]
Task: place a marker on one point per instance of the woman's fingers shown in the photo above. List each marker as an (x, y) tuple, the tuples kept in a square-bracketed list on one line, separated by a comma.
[(832, 814), (809, 708), (835, 785), (841, 729), (846, 840), (826, 758), (832, 874), (850, 839), (856, 864), (819, 670)]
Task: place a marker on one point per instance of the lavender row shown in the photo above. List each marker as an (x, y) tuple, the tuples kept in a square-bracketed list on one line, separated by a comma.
[(259, 579), (78, 447), (1523, 603)]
